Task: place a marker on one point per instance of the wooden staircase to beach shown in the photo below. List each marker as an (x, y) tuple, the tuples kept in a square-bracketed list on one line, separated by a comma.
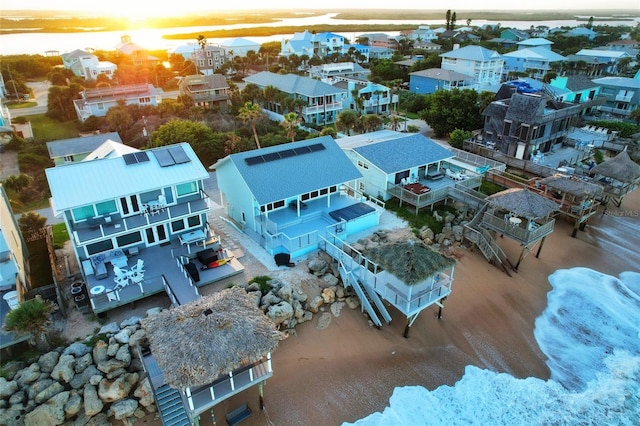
[(369, 299), (483, 239)]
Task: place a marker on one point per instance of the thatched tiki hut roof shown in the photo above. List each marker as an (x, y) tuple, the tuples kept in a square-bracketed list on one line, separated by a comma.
[(567, 185), (410, 261), (195, 343), (523, 203), (621, 168)]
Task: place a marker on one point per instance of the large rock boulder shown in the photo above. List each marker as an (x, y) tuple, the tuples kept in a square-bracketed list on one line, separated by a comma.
[(110, 391), (28, 375), (144, 393), (315, 303), (329, 280), (64, 369), (318, 267), (123, 335), (7, 387), (123, 409), (46, 394), (83, 362), (92, 403), (73, 405), (111, 328), (280, 313), (79, 380), (110, 365), (48, 361), (124, 355), (138, 337), (50, 413), (328, 295), (100, 352), (77, 349)]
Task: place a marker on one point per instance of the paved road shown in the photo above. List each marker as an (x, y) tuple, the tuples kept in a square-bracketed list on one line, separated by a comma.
[(40, 93)]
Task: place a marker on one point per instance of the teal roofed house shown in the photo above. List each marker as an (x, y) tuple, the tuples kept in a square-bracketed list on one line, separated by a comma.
[(142, 212), (287, 196)]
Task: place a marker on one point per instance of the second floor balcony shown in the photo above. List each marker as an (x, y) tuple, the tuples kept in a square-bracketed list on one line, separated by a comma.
[(115, 224), (315, 109)]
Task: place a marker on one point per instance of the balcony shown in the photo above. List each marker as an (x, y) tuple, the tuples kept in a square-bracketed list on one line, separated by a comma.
[(521, 231), (624, 97), (316, 109), (84, 233)]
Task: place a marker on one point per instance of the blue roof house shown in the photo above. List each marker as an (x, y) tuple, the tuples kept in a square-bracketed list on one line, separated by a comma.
[(534, 60), (622, 94), (411, 167), (288, 196), (146, 205), (433, 79)]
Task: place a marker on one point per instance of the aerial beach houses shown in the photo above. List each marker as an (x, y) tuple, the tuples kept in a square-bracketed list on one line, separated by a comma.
[(287, 196), (138, 225)]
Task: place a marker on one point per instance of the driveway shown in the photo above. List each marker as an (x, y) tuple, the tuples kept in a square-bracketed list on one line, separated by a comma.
[(40, 91)]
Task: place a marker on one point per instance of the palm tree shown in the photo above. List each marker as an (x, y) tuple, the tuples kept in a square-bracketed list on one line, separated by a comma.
[(32, 317), (290, 123), (269, 95), (346, 120), (330, 131), (358, 102), (395, 122), (250, 113), (372, 122)]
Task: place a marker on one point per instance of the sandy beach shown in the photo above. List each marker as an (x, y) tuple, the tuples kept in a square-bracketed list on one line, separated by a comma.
[(349, 370)]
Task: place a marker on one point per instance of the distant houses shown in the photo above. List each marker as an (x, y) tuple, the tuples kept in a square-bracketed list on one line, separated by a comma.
[(98, 101)]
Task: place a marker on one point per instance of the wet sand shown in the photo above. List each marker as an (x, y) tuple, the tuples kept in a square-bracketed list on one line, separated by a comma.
[(349, 370)]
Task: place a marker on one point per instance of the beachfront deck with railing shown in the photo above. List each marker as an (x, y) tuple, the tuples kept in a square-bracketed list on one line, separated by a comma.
[(524, 231), (162, 268)]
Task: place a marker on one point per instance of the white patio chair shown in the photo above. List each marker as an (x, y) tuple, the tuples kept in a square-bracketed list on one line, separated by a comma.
[(138, 268)]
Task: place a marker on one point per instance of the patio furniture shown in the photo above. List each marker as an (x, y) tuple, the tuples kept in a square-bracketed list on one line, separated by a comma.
[(283, 259), (434, 175), (98, 289), (120, 261), (189, 238), (515, 221), (121, 277), (192, 270)]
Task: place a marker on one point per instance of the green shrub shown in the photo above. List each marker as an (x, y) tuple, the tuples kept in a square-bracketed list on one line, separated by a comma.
[(263, 283)]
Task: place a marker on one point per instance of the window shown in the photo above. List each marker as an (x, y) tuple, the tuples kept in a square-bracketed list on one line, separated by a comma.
[(106, 207), (100, 106), (128, 239), (210, 62), (144, 100), (82, 213), (363, 164), (68, 158), (193, 221), (507, 128), (145, 197), (177, 225), (99, 247), (361, 186), (187, 188)]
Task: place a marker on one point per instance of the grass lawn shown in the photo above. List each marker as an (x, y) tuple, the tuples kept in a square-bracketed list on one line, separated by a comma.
[(60, 235), (18, 105), (48, 129)]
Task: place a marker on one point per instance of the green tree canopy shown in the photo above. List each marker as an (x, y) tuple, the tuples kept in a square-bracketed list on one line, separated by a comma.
[(457, 138), (346, 120), (30, 222), (449, 110), (31, 316), (290, 123), (209, 147)]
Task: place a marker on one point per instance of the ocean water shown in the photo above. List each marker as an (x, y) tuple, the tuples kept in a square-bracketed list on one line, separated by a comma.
[(590, 333)]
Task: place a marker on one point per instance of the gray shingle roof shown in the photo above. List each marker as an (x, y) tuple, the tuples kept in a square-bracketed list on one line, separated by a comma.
[(291, 83), (404, 153), (80, 145), (524, 109), (579, 82), (291, 176), (442, 75)]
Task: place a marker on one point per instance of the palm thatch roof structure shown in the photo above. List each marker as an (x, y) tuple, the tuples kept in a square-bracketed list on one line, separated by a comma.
[(195, 343), (523, 202), (410, 261), (621, 168), (567, 185)]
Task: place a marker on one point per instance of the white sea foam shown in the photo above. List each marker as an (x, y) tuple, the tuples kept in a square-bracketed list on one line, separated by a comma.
[(590, 333)]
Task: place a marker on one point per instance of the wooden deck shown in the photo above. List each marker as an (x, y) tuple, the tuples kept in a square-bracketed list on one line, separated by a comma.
[(161, 264)]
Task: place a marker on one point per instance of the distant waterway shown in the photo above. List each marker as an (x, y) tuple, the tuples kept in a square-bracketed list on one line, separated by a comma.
[(152, 39)]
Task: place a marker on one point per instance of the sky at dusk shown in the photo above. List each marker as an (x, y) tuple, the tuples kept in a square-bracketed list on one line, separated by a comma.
[(142, 8)]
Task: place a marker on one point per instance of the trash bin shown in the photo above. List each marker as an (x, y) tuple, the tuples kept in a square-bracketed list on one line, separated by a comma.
[(11, 297)]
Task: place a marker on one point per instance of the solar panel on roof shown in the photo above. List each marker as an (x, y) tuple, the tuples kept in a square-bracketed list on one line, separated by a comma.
[(316, 147), (178, 154), (129, 159), (271, 157), (302, 150), (164, 158), (287, 153), (254, 160), (141, 156)]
